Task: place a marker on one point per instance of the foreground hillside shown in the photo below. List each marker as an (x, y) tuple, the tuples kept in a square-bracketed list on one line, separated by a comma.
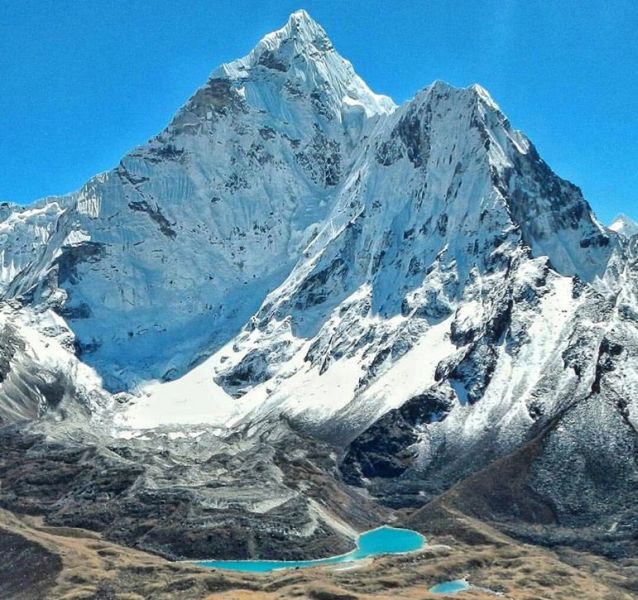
[(77, 564)]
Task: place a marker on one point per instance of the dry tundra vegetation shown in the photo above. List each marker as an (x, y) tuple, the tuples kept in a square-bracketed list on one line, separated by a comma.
[(40, 562)]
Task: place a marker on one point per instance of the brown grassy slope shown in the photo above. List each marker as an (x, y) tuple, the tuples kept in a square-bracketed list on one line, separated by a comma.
[(91, 568)]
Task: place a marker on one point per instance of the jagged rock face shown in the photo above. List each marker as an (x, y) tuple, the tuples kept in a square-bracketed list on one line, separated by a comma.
[(566, 425), (177, 247), (24, 233), (39, 373), (412, 285), (425, 273), (264, 492), (286, 175)]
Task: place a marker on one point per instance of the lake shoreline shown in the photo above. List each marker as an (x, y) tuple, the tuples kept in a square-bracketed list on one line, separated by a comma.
[(380, 541)]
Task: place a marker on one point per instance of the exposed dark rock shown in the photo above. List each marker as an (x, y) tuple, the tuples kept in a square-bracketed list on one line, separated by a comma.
[(80, 311), (270, 60), (10, 343), (410, 132), (155, 213), (251, 370), (74, 256), (605, 363), (166, 152), (267, 133), (321, 159), (313, 289), (134, 494), (383, 450), (217, 94)]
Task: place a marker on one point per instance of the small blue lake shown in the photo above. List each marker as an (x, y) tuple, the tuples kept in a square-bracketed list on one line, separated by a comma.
[(450, 587), (384, 540)]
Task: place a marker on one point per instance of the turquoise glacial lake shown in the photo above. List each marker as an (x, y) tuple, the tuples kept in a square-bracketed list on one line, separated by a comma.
[(384, 540), (450, 587)]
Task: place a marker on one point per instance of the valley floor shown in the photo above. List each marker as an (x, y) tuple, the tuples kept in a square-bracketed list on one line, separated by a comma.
[(40, 562)]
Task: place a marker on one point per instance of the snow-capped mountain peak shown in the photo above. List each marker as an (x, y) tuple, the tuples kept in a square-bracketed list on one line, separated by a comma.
[(299, 60), (624, 225), (301, 38), (302, 28)]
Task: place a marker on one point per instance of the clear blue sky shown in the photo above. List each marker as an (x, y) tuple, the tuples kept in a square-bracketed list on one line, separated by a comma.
[(82, 82)]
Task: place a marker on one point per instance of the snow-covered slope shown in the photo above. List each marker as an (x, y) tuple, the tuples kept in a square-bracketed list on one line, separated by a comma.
[(293, 242), (24, 233), (437, 223)]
